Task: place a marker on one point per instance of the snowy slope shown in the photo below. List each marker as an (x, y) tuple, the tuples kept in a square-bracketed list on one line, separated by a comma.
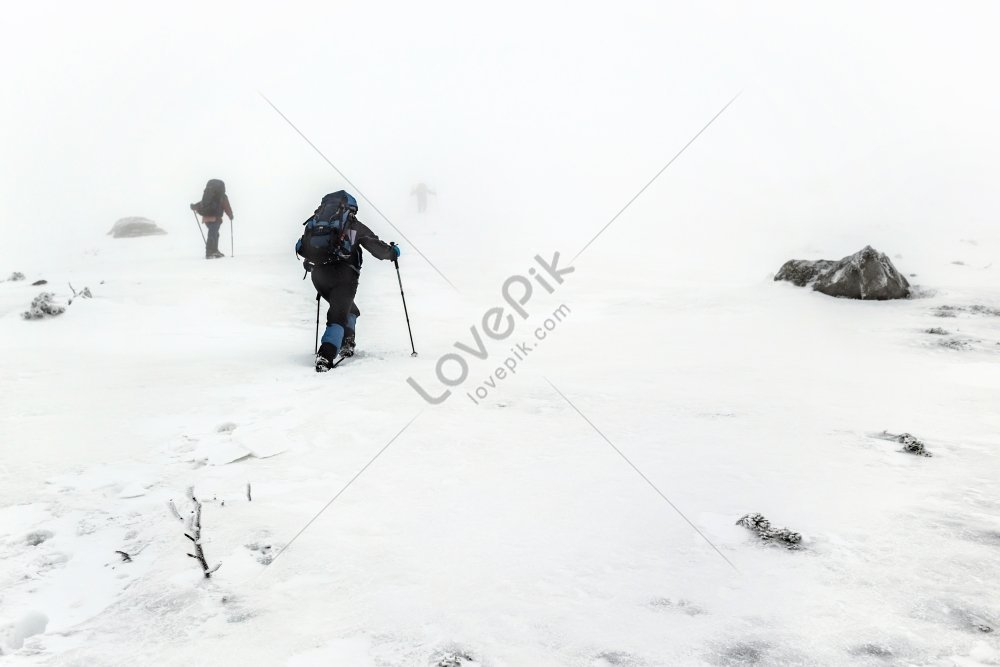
[(507, 532)]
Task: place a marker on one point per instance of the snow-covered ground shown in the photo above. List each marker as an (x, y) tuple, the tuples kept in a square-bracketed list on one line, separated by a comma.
[(506, 532)]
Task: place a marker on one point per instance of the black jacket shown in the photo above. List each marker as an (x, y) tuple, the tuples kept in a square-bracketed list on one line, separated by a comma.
[(367, 239)]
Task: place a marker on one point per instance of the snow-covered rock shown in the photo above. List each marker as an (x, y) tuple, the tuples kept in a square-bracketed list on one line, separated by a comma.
[(867, 274), (135, 226)]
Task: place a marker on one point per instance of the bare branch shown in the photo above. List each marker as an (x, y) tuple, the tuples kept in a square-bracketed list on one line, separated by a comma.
[(195, 536)]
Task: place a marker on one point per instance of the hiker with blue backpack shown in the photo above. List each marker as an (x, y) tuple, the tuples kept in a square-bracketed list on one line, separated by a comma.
[(331, 247)]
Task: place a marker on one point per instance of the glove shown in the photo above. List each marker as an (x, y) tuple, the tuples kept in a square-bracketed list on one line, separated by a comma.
[(307, 266), (395, 249), (194, 207)]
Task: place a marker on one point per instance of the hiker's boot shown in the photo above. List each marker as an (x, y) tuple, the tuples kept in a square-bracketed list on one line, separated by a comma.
[(347, 349), (325, 357)]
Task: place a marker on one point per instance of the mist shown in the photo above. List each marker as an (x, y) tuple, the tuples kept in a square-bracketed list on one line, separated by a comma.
[(533, 124)]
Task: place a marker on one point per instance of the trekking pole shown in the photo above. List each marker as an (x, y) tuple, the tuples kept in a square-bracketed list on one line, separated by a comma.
[(405, 312), (232, 241), (200, 231), (316, 344)]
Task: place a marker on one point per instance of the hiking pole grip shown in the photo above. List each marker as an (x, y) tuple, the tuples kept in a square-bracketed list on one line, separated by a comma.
[(409, 329)]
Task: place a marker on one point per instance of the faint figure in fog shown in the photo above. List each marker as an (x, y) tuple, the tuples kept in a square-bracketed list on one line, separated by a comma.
[(420, 192)]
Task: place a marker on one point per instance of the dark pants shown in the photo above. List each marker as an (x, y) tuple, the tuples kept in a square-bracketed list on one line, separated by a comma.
[(212, 244), (337, 283)]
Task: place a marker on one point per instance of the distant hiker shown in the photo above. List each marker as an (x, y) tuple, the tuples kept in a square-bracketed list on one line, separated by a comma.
[(331, 246), (421, 191), (214, 202)]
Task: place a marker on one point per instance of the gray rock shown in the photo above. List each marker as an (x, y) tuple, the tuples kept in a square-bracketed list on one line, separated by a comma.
[(803, 272), (867, 274), (135, 226)]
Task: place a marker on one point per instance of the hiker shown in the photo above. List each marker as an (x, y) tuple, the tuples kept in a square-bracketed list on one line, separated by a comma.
[(421, 191), (331, 247), (214, 202)]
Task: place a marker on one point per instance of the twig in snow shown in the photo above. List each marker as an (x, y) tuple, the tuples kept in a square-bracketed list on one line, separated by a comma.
[(83, 294), (173, 510), (249, 497), (125, 557), (194, 534)]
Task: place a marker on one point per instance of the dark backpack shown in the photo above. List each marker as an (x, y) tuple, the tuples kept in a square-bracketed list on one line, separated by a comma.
[(211, 200), (328, 236)]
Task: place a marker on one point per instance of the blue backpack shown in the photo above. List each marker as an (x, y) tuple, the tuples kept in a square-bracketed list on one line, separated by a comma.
[(328, 236)]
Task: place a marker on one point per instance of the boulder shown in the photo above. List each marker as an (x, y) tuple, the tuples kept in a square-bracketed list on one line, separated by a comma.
[(135, 226), (867, 274)]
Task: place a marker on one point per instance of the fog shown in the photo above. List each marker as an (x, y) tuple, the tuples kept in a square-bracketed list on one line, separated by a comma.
[(857, 122)]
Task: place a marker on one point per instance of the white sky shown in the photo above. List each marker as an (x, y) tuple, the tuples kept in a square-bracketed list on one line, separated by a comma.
[(855, 117)]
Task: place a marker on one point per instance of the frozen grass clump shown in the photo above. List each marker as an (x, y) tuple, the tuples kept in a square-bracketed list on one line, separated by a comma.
[(43, 306), (757, 523), (911, 445), (453, 657)]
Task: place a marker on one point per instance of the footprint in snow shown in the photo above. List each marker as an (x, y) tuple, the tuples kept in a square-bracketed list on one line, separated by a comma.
[(741, 653), (680, 605), (36, 537), (618, 659)]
